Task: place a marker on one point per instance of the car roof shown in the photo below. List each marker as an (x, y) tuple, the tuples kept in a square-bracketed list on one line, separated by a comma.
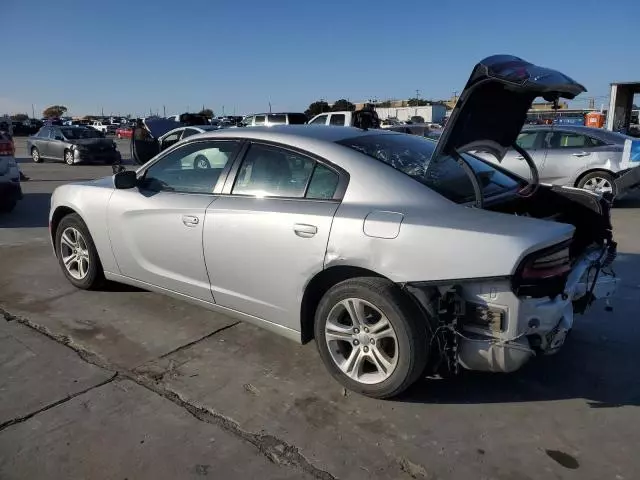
[(571, 128), (285, 133)]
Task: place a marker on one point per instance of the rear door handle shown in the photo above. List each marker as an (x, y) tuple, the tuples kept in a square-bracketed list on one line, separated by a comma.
[(190, 220), (304, 230), (581, 154)]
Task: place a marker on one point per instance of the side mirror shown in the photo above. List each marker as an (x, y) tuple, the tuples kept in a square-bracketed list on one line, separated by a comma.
[(125, 179)]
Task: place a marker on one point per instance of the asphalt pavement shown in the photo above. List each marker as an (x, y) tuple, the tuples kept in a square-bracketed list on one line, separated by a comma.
[(126, 383)]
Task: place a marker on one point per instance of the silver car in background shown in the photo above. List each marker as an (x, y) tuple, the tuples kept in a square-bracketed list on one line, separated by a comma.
[(575, 156), (399, 255)]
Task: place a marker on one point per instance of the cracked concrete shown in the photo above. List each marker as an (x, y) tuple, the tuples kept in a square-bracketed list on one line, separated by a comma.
[(157, 379)]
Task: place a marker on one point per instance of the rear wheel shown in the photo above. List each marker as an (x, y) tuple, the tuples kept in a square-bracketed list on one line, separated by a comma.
[(201, 162), (77, 254), (371, 337), (599, 182), (35, 155)]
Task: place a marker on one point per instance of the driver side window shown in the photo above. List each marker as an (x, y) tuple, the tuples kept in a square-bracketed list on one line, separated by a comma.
[(191, 168)]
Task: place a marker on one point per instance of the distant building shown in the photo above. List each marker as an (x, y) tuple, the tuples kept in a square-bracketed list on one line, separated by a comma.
[(549, 106)]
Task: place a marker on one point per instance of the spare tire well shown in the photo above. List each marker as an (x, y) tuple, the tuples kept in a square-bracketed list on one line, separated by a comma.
[(318, 286)]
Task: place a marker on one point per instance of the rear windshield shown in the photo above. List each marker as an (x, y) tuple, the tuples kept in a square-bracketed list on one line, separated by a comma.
[(411, 154)]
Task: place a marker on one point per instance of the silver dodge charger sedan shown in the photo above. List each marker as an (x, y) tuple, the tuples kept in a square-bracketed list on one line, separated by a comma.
[(400, 256)]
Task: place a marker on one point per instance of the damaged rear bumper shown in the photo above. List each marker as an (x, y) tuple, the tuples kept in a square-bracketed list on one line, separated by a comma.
[(529, 326)]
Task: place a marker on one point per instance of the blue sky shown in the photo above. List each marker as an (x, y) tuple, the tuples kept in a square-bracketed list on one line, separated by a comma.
[(129, 56)]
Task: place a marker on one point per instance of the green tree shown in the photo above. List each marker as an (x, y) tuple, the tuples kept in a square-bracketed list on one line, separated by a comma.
[(343, 105), (54, 111), (317, 108), (207, 112), (417, 102), (20, 117)]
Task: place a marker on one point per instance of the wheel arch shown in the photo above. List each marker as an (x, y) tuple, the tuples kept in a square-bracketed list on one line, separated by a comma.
[(318, 286), (58, 214), (592, 170)]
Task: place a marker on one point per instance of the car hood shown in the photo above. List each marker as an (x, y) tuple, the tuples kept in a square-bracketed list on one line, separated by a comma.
[(493, 106)]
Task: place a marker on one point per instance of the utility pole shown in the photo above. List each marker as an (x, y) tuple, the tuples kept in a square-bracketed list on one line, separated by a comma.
[(269, 107), (33, 111), (164, 111), (223, 110)]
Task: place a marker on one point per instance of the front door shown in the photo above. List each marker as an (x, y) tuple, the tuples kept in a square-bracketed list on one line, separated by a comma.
[(267, 237), (156, 229), (56, 144)]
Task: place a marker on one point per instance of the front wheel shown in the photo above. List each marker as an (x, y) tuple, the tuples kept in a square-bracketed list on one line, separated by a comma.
[(371, 337), (77, 254), (68, 157), (35, 155)]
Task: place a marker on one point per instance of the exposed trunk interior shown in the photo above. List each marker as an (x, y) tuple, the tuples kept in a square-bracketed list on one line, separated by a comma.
[(587, 213)]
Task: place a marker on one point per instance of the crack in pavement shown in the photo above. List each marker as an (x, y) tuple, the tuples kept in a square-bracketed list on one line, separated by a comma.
[(273, 448), (65, 399), (194, 342)]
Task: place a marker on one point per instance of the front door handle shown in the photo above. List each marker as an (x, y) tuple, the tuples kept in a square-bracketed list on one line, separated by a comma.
[(304, 230), (190, 220), (519, 157), (581, 154)]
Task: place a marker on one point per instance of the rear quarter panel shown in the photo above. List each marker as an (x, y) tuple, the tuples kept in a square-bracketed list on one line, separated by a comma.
[(90, 201)]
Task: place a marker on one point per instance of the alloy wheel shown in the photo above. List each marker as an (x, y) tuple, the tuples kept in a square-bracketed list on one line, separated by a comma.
[(35, 155), (598, 185), (74, 253), (361, 341), (68, 157)]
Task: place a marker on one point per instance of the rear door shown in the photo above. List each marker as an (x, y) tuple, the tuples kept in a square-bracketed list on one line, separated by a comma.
[(156, 229), (267, 235), (337, 119), (566, 154), (41, 141)]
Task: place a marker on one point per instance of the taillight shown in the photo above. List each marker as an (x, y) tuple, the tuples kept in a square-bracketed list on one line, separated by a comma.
[(6, 149), (543, 273), (547, 265)]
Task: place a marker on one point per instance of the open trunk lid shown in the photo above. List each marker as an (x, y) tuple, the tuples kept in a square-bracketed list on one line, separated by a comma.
[(493, 105)]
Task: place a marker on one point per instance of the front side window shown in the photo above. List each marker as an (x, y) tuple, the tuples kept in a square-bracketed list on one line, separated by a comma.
[(268, 171), (44, 132), (191, 168), (337, 119), (247, 121), (321, 120), (411, 155), (260, 119), (277, 119)]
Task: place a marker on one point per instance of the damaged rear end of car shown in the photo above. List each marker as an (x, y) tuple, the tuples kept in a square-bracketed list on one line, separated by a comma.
[(497, 324)]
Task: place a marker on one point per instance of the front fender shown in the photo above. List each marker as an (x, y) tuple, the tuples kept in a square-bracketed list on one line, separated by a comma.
[(90, 203)]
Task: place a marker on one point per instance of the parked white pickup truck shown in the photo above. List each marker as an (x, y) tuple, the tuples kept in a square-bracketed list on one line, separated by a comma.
[(346, 118), (98, 125)]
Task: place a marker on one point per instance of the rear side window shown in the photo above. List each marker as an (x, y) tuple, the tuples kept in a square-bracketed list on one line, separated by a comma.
[(260, 119), (277, 119), (527, 140), (337, 119), (297, 118), (275, 172)]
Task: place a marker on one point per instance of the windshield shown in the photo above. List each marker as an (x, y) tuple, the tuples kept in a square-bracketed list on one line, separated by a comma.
[(411, 154), (78, 133)]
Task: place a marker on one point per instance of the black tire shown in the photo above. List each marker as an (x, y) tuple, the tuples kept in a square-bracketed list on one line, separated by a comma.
[(94, 277), (408, 323), (201, 162), (35, 155), (68, 158), (591, 177)]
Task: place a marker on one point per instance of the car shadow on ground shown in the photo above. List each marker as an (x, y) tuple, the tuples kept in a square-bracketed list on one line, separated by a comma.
[(598, 363), (30, 212)]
